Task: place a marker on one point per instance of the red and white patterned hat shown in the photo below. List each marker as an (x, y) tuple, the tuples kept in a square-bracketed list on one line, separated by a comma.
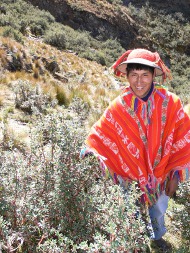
[(141, 56)]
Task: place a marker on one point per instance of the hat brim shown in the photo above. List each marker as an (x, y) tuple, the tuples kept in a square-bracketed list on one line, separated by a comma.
[(122, 67)]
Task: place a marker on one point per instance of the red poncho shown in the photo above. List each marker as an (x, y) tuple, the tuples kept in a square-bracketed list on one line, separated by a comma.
[(144, 141)]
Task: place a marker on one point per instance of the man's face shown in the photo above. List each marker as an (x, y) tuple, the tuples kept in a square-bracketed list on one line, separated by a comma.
[(140, 81)]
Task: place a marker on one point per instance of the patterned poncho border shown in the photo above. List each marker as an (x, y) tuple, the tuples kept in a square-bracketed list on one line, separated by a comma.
[(143, 141)]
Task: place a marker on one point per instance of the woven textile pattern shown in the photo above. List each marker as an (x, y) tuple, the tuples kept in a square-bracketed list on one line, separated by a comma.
[(144, 141)]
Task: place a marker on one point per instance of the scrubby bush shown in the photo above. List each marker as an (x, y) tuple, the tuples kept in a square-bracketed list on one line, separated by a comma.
[(79, 43), (111, 50), (14, 34), (23, 16), (31, 99), (104, 53), (115, 1), (56, 37), (52, 201), (181, 215)]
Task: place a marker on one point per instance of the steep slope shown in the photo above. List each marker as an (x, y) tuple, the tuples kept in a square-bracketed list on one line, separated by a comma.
[(38, 75), (168, 6), (104, 20), (101, 19)]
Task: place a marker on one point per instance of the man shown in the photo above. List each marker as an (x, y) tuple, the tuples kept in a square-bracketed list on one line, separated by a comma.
[(144, 135)]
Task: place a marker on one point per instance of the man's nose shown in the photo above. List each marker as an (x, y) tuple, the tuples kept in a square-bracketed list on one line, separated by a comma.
[(138, 80)]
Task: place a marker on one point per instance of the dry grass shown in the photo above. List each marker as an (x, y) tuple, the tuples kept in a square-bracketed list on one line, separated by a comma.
[(1, 30), (36, 73), (11, 44), (49, 88), (85, 87), (1, 100), (6, 97), (93, 117), (3, 56), (77, 92), (16, 135), (62, 95), (86, 80), (99, 92), (13, 76)]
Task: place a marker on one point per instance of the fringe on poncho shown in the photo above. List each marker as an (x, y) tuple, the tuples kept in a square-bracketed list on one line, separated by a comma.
[(143, 141)]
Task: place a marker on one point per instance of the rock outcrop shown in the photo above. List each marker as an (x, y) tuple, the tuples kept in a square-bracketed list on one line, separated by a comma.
[(105, 21)]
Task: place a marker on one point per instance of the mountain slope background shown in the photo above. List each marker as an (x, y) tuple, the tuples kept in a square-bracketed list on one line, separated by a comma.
[(102, 30), (55, 83)]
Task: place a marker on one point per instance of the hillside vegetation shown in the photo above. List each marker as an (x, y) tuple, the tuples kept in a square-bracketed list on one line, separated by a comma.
[(116, 28), (55, 83)]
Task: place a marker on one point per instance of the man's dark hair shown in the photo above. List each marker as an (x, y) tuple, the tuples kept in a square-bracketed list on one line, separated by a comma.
[(138, 66)]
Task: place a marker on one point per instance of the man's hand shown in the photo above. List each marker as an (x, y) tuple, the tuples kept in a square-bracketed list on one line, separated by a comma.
[(171, 186)]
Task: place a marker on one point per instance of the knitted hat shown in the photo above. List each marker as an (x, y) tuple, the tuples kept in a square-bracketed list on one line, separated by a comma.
[(141, 56)]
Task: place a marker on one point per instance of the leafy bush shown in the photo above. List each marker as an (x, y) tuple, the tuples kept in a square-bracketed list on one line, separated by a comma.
[(94, 55), (22, 17), (115, 1), (31, 100), (14, 34), (79, 43), (181, 215), (51, 201), (56, 37), (104, 53), (111, 50)]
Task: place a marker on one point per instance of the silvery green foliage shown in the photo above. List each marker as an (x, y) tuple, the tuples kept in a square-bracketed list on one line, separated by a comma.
[(181, 214), (52, 201), (31, 100)]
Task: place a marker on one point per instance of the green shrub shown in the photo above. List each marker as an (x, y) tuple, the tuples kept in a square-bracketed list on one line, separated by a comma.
[(56, 38), (115, 1), (94, 55), (181, 215), (111, 50), (31, 100), (52, 201), (14, 34), (105, 53), (23, 16), (65, 37), (79, 42)]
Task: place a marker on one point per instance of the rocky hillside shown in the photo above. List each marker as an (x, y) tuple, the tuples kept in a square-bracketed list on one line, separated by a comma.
[(100, 18), (51, 85), (104, 20), (37, 76), (168, 6), (156, 25)]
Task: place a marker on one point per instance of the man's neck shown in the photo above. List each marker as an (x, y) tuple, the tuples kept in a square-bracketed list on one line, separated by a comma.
[(149, 93)]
